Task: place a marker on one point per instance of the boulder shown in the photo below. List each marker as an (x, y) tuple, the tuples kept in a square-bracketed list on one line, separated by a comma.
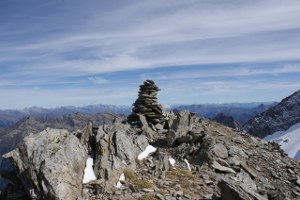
[(232, 190), (117, 148), (50, 164), (220, 151)]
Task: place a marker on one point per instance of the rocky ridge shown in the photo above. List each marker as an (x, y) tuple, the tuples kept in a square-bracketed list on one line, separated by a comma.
[(154, 155), (277, 118), (13, 137), (211, 162)]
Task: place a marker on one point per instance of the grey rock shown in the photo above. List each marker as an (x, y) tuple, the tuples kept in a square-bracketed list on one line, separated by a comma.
[(248, 169), (144, 123), (235, 160), (159, 196), (220, 151), (159, 126), (116, 151), (221, 168), (246, 181), (235, 150), (298, 181), (183, 128), (222, 162), (52, 163), (147, 190), (230, 190)]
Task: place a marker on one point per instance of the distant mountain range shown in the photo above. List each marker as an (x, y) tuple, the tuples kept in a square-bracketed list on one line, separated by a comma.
[(241, 112), (10, 117)]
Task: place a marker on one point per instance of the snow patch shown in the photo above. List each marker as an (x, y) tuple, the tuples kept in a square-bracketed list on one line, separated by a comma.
[(89, 174), (172, 161), (288, 140), (187, 164), (149, 149), (121, 179)]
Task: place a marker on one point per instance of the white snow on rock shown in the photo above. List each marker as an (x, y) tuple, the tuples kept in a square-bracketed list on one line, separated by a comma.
[(149, 149), (288, 140), (89, 174), (187, 164), (172, 161), (121, 179)]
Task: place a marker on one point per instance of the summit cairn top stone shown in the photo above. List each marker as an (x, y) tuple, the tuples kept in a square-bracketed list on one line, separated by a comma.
[(147, 105)]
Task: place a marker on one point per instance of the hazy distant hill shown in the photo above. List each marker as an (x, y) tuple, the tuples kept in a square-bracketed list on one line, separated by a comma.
[(241, 112), (10, 117)]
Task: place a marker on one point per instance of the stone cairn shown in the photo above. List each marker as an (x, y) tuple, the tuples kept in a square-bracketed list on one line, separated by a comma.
[(147, 105)]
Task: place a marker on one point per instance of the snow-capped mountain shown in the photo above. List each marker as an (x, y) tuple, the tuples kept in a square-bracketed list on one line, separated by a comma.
[(288, 140), (278, 118)]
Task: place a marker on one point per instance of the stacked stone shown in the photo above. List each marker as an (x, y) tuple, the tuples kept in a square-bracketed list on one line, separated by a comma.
[(147, 105)]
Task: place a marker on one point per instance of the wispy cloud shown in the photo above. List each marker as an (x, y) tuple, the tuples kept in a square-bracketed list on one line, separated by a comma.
[(98, 80), (79, 43)]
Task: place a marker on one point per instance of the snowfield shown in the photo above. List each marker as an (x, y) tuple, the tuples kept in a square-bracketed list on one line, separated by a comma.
[(288, 140)]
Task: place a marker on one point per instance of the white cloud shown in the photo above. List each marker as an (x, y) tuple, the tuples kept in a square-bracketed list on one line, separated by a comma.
[(98, 80), (53, 48), (183, 33)]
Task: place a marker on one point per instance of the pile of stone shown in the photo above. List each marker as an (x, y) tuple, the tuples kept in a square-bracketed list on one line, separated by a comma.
[(147, 105)]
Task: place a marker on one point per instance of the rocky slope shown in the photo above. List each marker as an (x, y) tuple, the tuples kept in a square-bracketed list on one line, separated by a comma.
[(278, 118), (192, 158), (288, 140)]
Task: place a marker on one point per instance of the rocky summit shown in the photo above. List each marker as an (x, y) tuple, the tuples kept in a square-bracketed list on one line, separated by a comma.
[(181, 157), (192, 158)]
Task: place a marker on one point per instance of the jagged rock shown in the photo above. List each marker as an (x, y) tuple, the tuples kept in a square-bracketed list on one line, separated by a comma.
[(116, 150), (183, 128), (147, 105), (51, 164), (231, 190), (221, 168)]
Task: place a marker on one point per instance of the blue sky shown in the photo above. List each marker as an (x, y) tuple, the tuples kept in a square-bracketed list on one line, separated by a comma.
[(75, 52)]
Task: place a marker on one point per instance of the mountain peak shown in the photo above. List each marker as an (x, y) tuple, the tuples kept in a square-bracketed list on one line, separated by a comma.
[(277, 118)]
